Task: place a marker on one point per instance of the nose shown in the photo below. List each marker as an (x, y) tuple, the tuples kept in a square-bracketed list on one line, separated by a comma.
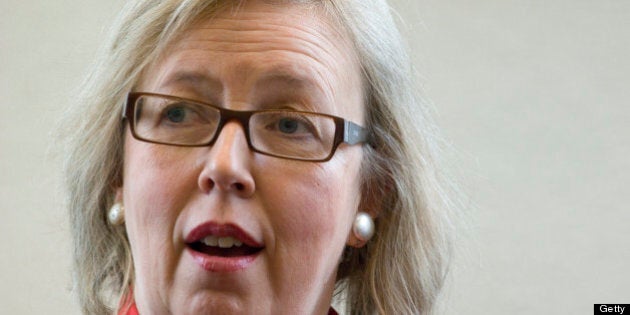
[(228, 165)]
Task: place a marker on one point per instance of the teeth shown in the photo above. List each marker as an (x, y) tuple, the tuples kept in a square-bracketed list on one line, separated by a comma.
[(211, 240), (226, 242), (222, 242)]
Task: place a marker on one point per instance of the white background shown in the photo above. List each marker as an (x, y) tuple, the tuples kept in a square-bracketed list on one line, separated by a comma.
[(532, 94)]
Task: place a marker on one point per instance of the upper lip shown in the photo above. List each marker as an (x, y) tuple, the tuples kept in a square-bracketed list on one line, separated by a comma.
[(221, 230)]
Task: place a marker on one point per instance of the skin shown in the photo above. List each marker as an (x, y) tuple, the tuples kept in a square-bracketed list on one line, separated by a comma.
[(261, 56)]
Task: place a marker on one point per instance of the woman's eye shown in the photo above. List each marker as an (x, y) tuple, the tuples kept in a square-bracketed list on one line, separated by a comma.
[(301, 126), (176, 114), (287, 125)]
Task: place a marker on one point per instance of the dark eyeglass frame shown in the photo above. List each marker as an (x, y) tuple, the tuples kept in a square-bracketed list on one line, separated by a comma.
[(345, 131)]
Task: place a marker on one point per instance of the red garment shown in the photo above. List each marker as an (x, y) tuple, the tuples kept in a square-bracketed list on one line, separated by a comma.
[(132, 310)]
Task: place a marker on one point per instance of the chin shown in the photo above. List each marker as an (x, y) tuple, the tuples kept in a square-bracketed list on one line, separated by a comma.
[(214, 303)]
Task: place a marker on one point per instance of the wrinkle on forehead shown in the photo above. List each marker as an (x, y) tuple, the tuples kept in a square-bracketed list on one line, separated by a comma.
[(247, 41), (305, 31), (316, 32), (311, 10)]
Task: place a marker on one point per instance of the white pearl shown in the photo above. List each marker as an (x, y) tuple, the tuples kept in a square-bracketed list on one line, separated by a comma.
[(116, 214), (363, 226)]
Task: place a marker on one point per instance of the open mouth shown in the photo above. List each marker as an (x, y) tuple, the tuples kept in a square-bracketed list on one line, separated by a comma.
[(222, 248), (226, 246)]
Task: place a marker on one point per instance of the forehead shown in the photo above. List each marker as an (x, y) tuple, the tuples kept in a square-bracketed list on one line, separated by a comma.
[(295, 45)]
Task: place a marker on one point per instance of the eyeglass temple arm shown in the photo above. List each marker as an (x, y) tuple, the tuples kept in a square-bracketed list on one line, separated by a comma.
[(125, 105), (353, 133)]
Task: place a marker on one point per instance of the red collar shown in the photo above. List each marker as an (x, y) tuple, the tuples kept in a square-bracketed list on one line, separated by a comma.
[(132, 310)]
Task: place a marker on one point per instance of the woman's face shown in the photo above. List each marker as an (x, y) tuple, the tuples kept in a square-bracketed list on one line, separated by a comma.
[(293, 217)]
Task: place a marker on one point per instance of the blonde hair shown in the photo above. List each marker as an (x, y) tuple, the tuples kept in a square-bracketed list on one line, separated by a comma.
[(400, 271)]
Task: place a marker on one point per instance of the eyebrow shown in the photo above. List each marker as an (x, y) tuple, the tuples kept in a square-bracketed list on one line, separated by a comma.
[(279, 80), (197, 80), (279, 75), (295, 86), (283, 78)]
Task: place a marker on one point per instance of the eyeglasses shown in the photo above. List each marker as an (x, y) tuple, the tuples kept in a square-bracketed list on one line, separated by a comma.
[(287, 134)]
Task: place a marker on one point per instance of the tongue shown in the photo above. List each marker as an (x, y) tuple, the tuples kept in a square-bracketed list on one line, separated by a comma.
[(235, 251)]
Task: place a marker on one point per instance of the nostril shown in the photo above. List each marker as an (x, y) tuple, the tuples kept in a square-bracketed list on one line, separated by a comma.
[(207, 185), (239, 186)]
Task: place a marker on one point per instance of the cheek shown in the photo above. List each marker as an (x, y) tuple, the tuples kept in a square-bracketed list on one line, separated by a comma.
[(320, 211), (154, 186), (316, 213), (156, 178)]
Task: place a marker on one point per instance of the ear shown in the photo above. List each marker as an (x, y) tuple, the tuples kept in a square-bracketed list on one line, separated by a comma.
[(118, 195)]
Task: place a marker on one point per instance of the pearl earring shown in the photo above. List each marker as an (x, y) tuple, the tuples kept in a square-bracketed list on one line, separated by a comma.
[(116, 215), (363, 227)]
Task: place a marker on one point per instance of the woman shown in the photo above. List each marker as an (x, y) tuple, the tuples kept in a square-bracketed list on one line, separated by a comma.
[(255, 157)]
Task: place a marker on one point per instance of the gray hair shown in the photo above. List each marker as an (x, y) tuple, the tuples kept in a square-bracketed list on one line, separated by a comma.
[(400, 271)]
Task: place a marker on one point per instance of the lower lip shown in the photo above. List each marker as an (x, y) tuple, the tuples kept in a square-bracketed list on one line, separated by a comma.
[(222, 264)]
